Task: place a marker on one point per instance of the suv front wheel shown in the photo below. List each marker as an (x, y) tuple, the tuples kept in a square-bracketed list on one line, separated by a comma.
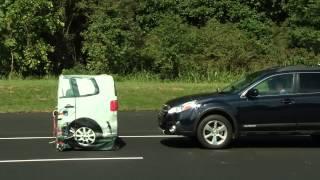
[(214, 132)]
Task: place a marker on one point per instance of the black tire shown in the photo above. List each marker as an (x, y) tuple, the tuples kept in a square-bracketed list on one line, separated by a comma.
[(77, 127), (221, 135)]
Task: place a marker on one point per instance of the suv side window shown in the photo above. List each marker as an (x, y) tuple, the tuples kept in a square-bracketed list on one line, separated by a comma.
[(276, 85), (309, 82)]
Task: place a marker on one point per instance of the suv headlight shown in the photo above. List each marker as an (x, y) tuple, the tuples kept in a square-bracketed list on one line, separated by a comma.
[(183, 107)]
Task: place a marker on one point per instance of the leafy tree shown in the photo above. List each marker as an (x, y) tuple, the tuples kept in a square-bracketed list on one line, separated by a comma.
[(169, 38), (112, 39), (25, 25), (304, 18), (68, 40), (169, 45)]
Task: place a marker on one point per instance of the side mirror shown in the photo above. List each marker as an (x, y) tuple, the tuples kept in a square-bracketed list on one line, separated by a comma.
[(252, 93)]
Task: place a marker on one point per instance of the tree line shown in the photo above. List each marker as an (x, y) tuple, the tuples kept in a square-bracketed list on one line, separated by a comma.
[(169, 38)]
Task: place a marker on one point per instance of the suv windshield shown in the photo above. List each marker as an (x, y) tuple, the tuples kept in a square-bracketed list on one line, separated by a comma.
[(243, 83)]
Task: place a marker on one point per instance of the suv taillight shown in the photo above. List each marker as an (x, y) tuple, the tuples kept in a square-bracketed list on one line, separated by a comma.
[(114, 105)]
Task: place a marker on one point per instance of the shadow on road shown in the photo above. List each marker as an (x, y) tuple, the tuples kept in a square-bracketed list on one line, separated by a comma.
[(119, 144), (181, 142), (250, 142)]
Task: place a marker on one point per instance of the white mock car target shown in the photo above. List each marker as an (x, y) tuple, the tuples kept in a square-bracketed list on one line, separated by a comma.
[(87, 112)]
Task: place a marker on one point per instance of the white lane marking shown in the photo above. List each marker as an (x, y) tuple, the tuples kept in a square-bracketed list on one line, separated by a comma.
[(152, 136), (24, 138), (70, 159), (147, 136)]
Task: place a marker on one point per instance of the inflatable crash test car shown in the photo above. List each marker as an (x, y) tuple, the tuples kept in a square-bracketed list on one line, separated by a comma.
[(86, 115)]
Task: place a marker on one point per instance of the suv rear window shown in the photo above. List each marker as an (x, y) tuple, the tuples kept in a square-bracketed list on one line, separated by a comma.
[(309, 82)]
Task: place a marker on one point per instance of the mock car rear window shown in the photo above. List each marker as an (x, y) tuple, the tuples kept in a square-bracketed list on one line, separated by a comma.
[(78, 87), (66, 89), (86, 87), (309, 82)]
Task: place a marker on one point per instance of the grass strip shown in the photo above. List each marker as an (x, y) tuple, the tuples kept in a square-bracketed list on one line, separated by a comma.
[(40, 95)]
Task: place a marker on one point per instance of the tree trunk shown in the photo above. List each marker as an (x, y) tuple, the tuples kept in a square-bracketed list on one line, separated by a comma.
[(11, 66)]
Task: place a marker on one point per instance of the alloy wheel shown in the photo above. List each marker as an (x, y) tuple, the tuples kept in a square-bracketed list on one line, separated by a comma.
[(215, 132)]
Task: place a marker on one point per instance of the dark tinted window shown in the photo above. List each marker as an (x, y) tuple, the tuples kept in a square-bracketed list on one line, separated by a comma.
[(309, 82), (243, 83), (276, 85)]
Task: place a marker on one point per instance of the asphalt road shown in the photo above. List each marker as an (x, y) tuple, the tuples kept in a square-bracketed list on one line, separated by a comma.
[(173, 158)]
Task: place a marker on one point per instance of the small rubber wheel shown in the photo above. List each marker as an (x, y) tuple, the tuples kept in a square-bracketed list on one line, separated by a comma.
[(214, 132), (60, 147)]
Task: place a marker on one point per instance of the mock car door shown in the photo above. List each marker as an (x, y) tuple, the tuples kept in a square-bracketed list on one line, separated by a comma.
[(92, 103), (272, 108), (307, 107), (66, 100)]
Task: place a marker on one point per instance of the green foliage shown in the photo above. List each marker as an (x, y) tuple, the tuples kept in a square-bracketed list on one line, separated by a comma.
[(77, 69), (168, 39), (306, 38), (297, 56), (305, 24), (168, 45), (111, 40), (179, 50), (25, 24), (272, 9), (304, 12)]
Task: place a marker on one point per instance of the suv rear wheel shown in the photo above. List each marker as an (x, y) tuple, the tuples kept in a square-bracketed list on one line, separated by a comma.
[(214, 132)]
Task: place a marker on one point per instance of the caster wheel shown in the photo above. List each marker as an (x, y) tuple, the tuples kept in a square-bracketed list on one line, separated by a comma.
[(60, 147)]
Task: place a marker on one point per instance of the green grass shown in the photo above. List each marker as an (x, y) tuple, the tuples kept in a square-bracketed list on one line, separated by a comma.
[(40, 95), (150, 96), (27, 95)]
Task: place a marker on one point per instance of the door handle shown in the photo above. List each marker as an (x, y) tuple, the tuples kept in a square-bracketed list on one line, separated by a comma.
[(287, 101), (69, 106)]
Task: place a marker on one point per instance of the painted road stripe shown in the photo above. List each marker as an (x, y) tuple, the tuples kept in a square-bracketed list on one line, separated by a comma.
[(152, 136), (70, 159), (147, 136), (24, 138)]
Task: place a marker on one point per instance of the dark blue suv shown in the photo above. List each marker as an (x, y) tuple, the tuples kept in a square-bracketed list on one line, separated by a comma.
[(277, 100)]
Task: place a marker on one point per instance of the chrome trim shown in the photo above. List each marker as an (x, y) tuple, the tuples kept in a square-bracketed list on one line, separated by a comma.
[(307, 93), (249, 125)]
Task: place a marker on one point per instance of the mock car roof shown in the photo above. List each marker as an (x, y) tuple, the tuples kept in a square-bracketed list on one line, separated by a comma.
[(83, 76)]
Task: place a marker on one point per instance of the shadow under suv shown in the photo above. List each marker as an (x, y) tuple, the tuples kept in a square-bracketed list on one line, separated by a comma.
[(277, 100)]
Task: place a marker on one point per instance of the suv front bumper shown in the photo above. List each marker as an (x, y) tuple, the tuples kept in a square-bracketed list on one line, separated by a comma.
[(176, 123)]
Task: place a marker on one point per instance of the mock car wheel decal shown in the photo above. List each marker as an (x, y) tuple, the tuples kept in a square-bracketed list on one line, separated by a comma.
[(85, 136)]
